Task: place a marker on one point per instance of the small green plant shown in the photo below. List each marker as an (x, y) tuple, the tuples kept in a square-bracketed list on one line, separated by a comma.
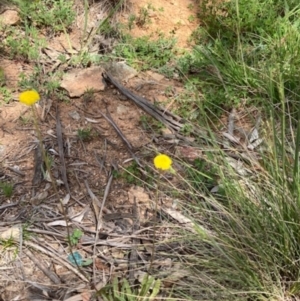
[(148, 123), (191, 18), (8, 243), (25, 120), (143, 53), (75, 236), (6, 94), (56, 15), (131, 21), (201, 175), (120, 290), (51, 85), (169, 91), (7, 189), (187, 129), (132, 174), (2, 77), (89, 96), (49, 161), (143, 17), (32, 81), (28, 47), (84, 134), (191, 6)]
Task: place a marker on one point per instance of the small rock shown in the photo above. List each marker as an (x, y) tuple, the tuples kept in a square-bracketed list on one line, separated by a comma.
[(9, 17), (75, 115), (121, 71), (121, 110), (78, 81), (156, 76)]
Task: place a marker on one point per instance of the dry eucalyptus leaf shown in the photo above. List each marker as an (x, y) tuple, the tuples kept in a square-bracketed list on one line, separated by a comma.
[(237, 165), (255, 144), (253, 136), (58, 223), (66, 199)]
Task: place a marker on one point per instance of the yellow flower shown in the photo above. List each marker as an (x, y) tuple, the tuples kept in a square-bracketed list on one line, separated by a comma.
[(162, 162), (29, 97)]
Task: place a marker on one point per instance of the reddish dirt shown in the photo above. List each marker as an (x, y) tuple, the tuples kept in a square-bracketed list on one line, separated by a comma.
[(173, 18)]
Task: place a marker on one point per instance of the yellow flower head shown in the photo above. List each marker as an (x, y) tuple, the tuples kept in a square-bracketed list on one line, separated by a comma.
[(162, 162), (29, 97)]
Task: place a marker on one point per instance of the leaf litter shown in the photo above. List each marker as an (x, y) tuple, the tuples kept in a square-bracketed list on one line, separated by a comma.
[(114, 230)]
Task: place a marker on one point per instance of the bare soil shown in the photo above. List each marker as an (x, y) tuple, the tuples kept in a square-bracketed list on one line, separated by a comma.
[(172, 18)]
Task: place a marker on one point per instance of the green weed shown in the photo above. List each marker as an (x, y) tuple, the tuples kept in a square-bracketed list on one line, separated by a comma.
[(24, 120), (6, 94), (28, 47), (191, 18), (2, 77), (120, 290), (56, 15), (47, 85), (7, 189), (143, 17), (32, 81), (131, 21), (132, 174), (144, 53), (190, 6), (75, 237), (85, 134), (150, 124), (89, 96), (8, 243)]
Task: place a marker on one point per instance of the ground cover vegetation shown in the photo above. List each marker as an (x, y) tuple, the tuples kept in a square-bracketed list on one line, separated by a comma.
[(246, 54), (245, 239)]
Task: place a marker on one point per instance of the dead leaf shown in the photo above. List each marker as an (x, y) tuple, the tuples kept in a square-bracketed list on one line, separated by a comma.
[(183, 220), (66, 199), (178, 272), (238, 166), (58, 223)]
